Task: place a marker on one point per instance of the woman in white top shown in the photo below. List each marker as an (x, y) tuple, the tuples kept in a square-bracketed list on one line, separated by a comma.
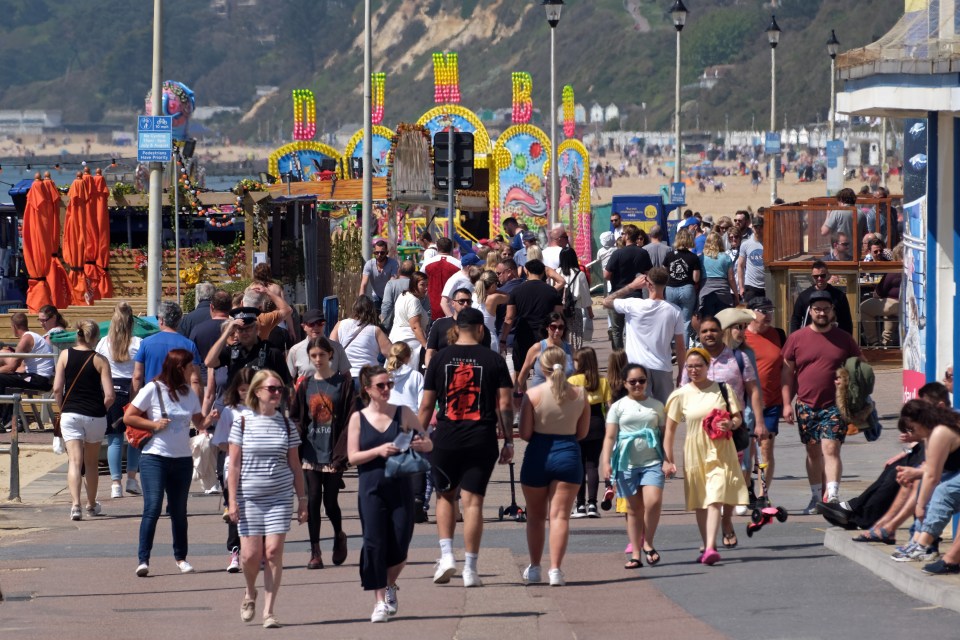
[(409, 318), (407, 383), (361, 336), (486, 300), (120, 347), (166, 405), (576, 295)]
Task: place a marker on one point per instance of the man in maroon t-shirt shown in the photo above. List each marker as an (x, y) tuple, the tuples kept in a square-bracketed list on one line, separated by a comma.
[(811, 358)]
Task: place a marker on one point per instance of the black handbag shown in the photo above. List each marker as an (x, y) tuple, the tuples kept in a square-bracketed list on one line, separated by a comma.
[(741, 435)]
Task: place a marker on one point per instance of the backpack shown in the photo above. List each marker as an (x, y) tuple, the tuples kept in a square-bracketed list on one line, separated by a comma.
[(569, 300), (853, 391)]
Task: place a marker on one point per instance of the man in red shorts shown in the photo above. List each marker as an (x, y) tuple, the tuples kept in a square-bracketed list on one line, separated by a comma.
[(811, 357)]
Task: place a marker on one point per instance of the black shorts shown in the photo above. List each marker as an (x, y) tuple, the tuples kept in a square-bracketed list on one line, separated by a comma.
[(467, 468)]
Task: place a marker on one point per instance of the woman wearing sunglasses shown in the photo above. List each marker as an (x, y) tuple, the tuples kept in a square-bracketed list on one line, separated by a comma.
[(632, 459), (711, 471), (556, 328), (386, 504), (260, 489)]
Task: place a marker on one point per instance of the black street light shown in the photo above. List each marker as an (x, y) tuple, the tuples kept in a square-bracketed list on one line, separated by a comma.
[(679, 14), (552, 8), (773, 37), (773, 32), (833, 45)]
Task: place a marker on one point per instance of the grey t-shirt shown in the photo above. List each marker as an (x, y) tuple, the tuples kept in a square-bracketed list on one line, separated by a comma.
[(298, 360), (378, 279), (752, 252), (658, 251)]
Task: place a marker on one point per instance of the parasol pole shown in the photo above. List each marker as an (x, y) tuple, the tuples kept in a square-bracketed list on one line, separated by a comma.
[(155, 219)]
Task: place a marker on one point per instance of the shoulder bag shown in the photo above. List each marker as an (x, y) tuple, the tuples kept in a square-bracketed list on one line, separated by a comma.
[(56, 421), (137, 437), (406, 463), (741, 437)]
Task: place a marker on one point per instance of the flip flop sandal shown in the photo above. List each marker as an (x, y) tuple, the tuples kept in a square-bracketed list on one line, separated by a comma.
[(876, 535), (653, 556), (730, 540), (633, 563)]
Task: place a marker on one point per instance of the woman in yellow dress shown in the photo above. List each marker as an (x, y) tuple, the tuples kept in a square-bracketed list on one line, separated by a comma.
[(711, 472)]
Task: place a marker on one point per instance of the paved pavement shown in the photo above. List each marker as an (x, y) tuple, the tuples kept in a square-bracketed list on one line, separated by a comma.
[(78, 577)]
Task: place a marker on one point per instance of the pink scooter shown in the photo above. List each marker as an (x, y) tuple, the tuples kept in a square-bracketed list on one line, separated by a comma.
[(764, 513)]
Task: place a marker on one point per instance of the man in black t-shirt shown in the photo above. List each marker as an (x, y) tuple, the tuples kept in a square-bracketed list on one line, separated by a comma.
[(623, 267), (206, 333), (471, 385), (249, 350), (528, 306)]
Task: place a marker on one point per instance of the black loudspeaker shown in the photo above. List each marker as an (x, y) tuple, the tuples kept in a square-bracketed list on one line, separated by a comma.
[(328, 164)]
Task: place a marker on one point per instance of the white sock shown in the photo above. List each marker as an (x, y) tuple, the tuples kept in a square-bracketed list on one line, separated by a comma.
[(446, 548), (817, 491), (470, 561), (833, 489)]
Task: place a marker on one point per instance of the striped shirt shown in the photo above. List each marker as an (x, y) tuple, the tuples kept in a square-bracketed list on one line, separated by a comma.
[(265, 442)]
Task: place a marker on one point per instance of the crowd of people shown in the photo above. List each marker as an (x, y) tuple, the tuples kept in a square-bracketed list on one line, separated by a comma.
[(434, 368)]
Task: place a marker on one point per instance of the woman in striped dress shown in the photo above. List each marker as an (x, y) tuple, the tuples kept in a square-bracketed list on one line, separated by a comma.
[(264, 472)]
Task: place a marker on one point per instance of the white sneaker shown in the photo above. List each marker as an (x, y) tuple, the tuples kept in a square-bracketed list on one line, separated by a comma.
[(532, 574), (234, 566), (143, 569), (133, 487), (556, 578), (741, 510), (380, 613), (812, 508), (185, 567), (579, 511), (445, 569), (76, 513), (94, 510), (116, 491), (391, 601), (833, 498), (471, 578), (212, 490)]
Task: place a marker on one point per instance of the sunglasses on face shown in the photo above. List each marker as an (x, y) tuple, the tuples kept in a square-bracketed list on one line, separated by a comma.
[(557, 327), (464, 301), (383, 386), (844, 244), (318, 323), (379, 253), (271, 389), (635, 381), (820, 276)]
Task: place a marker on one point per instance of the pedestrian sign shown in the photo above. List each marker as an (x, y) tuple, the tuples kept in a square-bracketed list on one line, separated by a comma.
[(154, 138), (678, 193), (772, 142)]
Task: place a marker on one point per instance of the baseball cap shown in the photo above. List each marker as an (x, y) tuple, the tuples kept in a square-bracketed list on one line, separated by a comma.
[(760, 303), (247, 314), (528, 236), (469, 259), (486, 242), (312, 315), (820, 296), (469, 317), (689, 222), (733, 315)]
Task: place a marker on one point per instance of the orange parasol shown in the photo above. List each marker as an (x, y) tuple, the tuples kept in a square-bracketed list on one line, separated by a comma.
[(56, 276), (89, 232), (102, 244), (73, 239), (35, 255)]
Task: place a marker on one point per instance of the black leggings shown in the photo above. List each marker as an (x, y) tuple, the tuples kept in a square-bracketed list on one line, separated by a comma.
[(322, 487), (233, 536), (590, 456)]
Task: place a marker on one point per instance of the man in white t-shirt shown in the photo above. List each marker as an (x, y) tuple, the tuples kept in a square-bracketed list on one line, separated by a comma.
[(459, 280), (650, 326), (557, 239)]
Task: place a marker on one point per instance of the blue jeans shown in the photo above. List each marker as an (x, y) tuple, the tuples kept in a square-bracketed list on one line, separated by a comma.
[(159, 474), (684, 297), (115, 455), (944, 502)]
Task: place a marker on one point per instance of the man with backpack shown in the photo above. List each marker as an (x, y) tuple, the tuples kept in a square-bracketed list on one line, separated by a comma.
[(767, 342), (811, 357)]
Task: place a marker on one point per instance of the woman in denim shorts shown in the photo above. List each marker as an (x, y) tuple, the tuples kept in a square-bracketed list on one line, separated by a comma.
[(632, 459), (553, 416)]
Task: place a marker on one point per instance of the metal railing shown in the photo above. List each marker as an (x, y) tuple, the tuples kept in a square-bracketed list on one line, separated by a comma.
[(17, 401)]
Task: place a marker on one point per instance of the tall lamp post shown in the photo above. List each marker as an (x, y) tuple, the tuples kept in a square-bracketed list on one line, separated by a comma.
[(553, 8), (833, 45), (679, 14), (366, 211), (773, 37)]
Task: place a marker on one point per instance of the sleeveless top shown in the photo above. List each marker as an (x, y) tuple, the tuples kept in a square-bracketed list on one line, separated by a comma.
[(552, 418), (86, 397), (40, 366), (952, 463), (538, 376), (370, 438), (359, 343), (490, 322)]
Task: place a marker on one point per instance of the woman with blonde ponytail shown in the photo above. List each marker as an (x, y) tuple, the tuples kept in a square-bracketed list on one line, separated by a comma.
[(407, 383), (553, 417)]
